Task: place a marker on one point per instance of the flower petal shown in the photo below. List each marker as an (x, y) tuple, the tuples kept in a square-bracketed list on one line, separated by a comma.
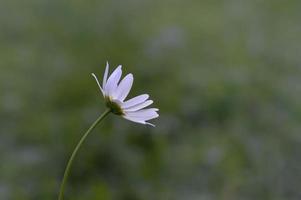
[(144, 115), (133, 119), (139, 106), (113, 80), (105, 76), (135, 101), (98, 84), (124, 87)]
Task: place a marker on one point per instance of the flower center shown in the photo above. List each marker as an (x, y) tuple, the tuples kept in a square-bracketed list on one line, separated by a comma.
[(114, 106)]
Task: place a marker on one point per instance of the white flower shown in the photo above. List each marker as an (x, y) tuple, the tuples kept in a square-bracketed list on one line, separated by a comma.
[(115, 92)]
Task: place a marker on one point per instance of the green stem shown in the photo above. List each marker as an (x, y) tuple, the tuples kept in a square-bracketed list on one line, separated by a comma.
[(67, 170)]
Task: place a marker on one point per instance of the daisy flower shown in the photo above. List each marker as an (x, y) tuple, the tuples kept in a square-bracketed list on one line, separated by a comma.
[(115, 92)]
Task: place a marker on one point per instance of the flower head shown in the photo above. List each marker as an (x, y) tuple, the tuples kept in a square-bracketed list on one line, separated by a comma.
[(115, 92)]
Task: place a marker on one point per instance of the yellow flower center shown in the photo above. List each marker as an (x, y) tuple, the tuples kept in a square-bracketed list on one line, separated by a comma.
[(114, 106)]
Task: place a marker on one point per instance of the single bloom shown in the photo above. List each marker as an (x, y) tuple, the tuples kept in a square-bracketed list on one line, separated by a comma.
[(115, 91)]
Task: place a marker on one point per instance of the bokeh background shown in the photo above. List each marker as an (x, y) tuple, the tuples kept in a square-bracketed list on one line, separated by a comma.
[(226, 76)]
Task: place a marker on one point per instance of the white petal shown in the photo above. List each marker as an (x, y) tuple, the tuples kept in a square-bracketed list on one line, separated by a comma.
[(113, 80), (98, 83), (139, 106), (133, 119), (124, 87), (144, 115), (134, 101), (150, 124), (105, 76)]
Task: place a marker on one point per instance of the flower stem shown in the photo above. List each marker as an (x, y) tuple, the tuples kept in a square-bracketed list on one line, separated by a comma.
[(69, 164)]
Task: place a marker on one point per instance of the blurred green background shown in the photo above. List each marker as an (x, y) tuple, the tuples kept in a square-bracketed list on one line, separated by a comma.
[(226, 76)]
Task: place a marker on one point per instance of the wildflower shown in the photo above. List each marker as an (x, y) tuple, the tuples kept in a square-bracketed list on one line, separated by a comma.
[(115, 92)]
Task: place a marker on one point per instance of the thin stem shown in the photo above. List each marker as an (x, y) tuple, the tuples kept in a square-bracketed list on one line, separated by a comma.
[(67, 170)]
